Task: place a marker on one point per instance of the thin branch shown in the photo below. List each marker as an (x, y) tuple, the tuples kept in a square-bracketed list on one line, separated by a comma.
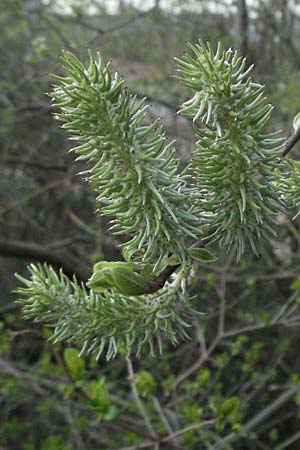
[(159, 282), (194, 426), (145, 444), (113, 28), (30, 250), (260, 417), (244, 277), (250, 328), (138, 400), (291, 142), (165, 422), (295, 437), (49, 186), (33, 164), (196, 366)]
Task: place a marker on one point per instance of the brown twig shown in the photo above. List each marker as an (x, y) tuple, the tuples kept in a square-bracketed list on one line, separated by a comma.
[(159, 282), (291, 142)]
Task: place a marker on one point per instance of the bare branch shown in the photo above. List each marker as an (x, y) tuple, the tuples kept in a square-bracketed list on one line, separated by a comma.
[(30, 250), (138, 400)]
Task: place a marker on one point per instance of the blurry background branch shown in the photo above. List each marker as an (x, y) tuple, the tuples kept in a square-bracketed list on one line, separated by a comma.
[(33, 251)]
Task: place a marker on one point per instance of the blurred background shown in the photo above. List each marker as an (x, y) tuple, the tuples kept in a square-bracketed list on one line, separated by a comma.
[(49, 398)]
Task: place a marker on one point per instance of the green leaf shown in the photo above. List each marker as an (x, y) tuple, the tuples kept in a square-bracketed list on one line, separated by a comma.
[(112, 264), (202, 255), (74, 363), (112, 412), (98, 393), (102, 276), (203, 377), (145, 383), (230, 406), (98, 282), (128, 282), (121, 276)]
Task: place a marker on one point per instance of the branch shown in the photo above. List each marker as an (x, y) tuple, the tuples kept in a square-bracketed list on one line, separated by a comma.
[(291, 142), (52, 185), (138, 400), (33, 164), (113, 28), (203, 358), (159, 282), (166, 423), (193, 426), (30, 250)]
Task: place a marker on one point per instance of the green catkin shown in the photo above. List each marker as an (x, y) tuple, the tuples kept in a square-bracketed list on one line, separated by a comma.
[(107, 123), (234, 161)]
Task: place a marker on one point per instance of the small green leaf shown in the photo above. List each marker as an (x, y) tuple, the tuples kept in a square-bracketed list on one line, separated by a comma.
[(202, 255), (172, 260), (74, 363), (230, 406), (112, 264), (102, 278), (98, 393), (98, 281), (121, 276), (128, 282), (112, 412), (203, 377), (145, 383)]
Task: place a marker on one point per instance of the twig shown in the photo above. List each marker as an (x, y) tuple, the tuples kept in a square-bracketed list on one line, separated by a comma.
[(113, 28), (197, 364), (250, 328), (194, 426), (145, 444), (31, 250), (260, 417), (244, 277), (295, 437), (159, 282), (291, 142), (165, 422), (138, 400), (49, 186), (284, 308)]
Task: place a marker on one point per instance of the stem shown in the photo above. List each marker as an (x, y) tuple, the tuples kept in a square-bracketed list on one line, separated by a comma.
[(138, 400), (291, 142), (159, 282)]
